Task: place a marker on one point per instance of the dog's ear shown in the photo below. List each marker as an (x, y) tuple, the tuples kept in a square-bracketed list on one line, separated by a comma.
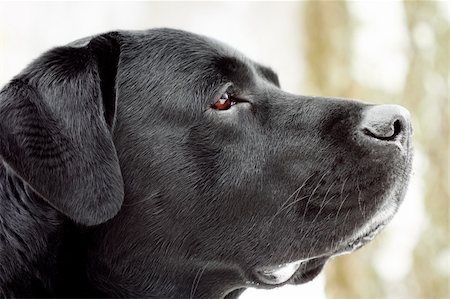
[(56, 123)]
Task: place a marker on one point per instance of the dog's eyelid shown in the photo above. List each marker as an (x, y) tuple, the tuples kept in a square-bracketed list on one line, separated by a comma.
[(238, 99)]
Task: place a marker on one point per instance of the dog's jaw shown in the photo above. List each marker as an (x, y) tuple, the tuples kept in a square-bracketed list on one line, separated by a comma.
[(304, 270)]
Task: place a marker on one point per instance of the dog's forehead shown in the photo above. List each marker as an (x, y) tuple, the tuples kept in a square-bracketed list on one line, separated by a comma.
[(180, 42), (198, 51)]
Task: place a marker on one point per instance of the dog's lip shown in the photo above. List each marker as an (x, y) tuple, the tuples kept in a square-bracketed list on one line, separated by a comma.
[(359, 241), (309, 270)]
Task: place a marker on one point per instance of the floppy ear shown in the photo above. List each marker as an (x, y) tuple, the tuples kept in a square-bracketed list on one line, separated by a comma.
[(56, 122)]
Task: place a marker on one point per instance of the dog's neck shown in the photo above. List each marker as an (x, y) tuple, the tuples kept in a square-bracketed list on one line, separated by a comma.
[(28, 238)]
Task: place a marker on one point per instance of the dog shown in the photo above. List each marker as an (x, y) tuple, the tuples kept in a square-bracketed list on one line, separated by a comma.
[(164, 164)]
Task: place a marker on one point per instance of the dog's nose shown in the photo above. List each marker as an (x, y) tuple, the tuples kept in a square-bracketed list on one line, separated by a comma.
[(386, 122)]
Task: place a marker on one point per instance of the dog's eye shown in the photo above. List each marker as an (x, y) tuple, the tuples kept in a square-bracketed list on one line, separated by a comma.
[(224, 103)]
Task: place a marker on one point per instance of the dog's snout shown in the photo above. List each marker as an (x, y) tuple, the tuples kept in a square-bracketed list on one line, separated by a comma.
[(386, 122)]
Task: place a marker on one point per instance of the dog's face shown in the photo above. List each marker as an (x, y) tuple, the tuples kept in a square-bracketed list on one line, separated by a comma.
[(222, 167), (226, 174)]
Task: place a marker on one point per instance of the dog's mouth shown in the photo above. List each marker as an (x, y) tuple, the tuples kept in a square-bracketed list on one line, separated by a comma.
[(274, 275), (296, 272), (304, 270)]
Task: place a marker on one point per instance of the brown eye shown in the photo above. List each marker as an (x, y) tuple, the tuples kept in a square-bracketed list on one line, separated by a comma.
[(224, 103)]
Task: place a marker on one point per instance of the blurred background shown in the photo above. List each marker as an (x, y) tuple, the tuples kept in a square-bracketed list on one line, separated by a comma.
[(378, 51)]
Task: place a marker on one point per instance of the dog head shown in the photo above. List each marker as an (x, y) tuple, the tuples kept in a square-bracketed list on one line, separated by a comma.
[(226, 176)]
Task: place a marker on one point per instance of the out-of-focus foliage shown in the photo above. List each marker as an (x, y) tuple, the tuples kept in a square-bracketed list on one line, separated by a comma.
[(328, 53), (329, 30), (424, 93)]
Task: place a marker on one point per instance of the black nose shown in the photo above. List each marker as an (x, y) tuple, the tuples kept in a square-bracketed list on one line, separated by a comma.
[(386, 122)]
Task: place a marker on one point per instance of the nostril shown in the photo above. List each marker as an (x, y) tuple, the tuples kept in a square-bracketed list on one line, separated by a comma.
[(387, 133), (397, 128), (385, 122)]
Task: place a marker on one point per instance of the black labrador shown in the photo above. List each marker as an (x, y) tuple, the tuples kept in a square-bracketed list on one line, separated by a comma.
[(164, 164)]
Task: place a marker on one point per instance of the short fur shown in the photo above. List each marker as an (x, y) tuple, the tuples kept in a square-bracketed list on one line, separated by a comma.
[(119, 179)]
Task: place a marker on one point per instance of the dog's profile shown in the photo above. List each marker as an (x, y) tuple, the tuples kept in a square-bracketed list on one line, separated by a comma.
[(163, 164)]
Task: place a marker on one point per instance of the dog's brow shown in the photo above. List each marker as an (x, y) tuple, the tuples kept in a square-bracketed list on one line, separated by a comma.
[(234, 69), (269, 74)]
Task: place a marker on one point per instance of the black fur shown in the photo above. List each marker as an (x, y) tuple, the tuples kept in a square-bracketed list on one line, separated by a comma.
[(118, 179)]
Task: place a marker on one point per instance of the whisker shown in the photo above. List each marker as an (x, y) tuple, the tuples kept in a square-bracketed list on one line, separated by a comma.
[(290, 196), (312, 194), (359, 200), (321, 208), (296, 201), (342, 200), (344, 222), (339, 209), (196, 281), (341, 204), (324, 202)]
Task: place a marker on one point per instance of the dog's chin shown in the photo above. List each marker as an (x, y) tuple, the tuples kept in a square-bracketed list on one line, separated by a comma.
[(304, 270)]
